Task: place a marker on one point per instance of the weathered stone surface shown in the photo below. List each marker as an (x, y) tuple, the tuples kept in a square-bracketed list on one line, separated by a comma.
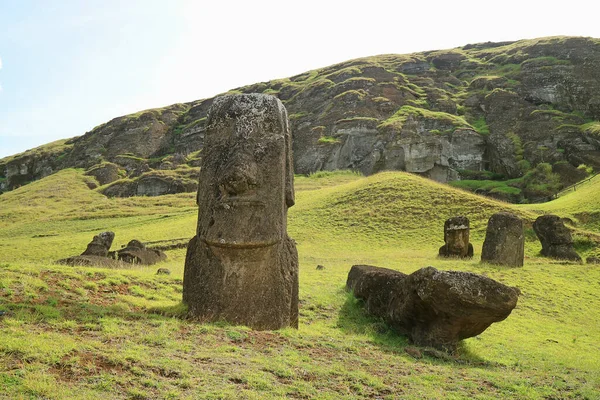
[(100, 244), (137, 253), (241, 266), (433, 308), (104, 173), (456, 238), (555, 238), (504, 240)]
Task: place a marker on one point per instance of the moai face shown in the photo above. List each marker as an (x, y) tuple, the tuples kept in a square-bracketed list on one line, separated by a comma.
[(456, 235), (246, 175)]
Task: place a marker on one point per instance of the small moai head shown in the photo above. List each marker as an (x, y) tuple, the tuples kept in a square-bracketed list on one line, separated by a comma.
[(456, 235), (246, 176)]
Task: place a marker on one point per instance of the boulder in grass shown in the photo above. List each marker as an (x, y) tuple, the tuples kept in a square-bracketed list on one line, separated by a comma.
[(433, 308), (555, 237), (456, 238), (504, 240)]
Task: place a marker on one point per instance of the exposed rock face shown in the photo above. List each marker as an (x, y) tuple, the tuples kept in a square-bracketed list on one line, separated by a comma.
[(241, 266), (555, 238), (504, 240), (433, 308), (442, 114), (456, 238), (100, 244), (105, 173), (137, 253)]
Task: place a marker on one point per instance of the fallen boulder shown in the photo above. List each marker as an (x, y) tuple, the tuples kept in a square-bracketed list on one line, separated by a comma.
[(433, 308)]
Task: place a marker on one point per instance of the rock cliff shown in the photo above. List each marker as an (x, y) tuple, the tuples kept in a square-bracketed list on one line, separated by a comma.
[(497, 107)]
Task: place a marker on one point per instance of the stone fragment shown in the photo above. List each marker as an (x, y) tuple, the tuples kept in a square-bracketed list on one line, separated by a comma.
[(241, 266), (433, 308), (504, 240), (320, 267), (100, 244), (555, 238), (456, 238), (593, 260), (163, 271), (137, 253)]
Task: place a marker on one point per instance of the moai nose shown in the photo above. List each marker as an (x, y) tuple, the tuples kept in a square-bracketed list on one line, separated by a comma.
[(239, 179)]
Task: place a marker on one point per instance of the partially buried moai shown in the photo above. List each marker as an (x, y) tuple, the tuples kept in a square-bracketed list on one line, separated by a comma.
[(456, 238), (504, 240), (241, 267)]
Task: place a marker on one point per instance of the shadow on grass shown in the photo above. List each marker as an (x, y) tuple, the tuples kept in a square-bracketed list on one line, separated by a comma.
[(354, 319)]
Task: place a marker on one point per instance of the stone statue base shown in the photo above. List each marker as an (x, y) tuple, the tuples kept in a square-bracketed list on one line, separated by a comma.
[(256, 287)]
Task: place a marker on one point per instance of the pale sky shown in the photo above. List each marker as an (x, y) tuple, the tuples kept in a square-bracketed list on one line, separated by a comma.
[(67, 65)]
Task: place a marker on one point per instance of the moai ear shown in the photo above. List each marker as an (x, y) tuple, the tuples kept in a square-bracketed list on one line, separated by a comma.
[(290, 198)]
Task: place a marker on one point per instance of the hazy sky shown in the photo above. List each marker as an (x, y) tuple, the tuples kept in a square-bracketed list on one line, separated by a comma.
[(69, 65)]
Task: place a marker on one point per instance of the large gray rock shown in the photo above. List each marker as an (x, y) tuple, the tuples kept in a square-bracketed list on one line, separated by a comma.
[(433, 308), (456, 238), (555, 238), (504, 240), (241, 266), (100, 244)]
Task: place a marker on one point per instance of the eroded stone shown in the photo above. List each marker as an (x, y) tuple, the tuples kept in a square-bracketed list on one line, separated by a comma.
[(555, 237), (456, 238), (433, 308), (241, 266), (504, 240)]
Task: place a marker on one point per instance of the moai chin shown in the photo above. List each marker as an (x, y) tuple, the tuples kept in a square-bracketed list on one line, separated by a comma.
[(241, 267), (456, 238)]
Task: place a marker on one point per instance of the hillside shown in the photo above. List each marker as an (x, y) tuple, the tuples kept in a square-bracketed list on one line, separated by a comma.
[(88, 332), (488, 109)]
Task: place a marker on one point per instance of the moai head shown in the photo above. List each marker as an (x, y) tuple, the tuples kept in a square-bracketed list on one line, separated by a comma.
[(456, 235), (246, 177)]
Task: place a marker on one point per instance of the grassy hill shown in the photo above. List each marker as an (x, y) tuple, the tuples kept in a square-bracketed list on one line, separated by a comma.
[(88, 332)]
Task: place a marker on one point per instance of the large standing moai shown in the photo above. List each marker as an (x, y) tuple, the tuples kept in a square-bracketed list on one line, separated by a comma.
[(241, 266), (504, 240), (456, 238), (555, 238)]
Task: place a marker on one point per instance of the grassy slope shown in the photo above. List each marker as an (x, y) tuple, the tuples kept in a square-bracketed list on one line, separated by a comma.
[(84, 332)]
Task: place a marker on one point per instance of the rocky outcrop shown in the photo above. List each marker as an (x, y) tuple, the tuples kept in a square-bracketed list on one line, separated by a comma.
[(433, 308), (499, 107)]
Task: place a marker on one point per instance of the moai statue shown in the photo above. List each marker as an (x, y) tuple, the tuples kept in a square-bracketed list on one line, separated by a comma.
[(504, 240), (100, 244), (555, 237), (456, 238), (241, 266)]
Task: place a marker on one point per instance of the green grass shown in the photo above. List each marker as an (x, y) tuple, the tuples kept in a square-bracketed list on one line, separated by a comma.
[(75, 332)]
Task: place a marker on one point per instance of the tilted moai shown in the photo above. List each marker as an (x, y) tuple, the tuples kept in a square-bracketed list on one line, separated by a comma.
[(241, 266), (100, 244), (456, 238), (555, 238), (504, 240)]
